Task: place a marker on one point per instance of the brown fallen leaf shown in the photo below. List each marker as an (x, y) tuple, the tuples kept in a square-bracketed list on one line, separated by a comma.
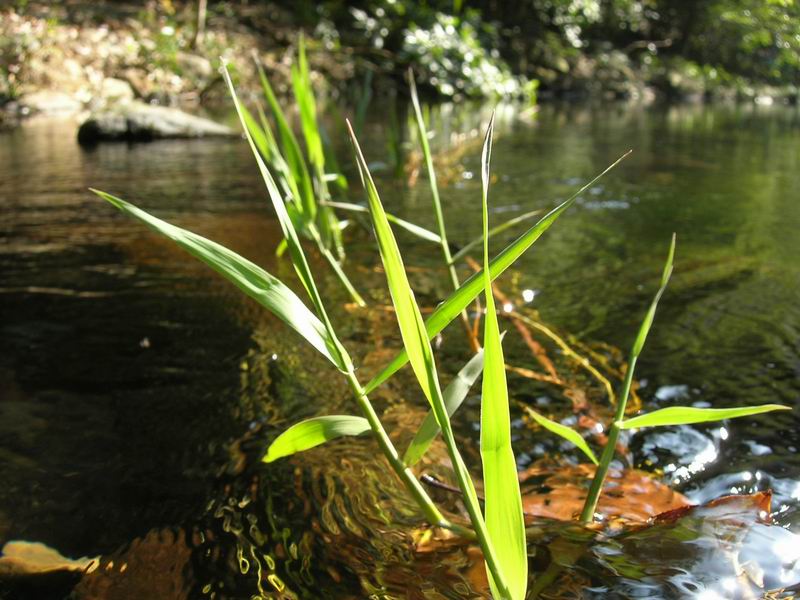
[(629, 496)]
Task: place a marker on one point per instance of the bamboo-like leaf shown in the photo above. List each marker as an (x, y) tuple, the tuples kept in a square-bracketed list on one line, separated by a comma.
[(563, 431), (291, 148), (409, 318), (647, 323), (260, 138), (420, 232), (284, 172), (426, 152), (314, 432), (454, 395), (469, 290), (503, 501), (290, 235), (304, 95), (497, 229), (686, 415), (418, 346), (254, 281)]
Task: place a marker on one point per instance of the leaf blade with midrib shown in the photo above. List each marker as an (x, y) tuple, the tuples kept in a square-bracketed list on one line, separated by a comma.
[(314, 432), (688, 415), (254, 281)]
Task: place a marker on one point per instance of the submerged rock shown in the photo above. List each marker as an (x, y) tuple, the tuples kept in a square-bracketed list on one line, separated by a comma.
[(137, 121)]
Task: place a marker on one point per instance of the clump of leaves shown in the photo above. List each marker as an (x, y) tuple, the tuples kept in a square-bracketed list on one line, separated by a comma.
[(499, 526)]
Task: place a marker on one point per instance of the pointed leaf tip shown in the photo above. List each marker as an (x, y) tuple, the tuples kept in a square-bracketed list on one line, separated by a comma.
[(314, 432), (687, 415), (563, 431)]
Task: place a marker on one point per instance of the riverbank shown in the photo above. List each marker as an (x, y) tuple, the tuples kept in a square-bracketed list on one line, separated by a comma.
[(76, 57), (65, 60)]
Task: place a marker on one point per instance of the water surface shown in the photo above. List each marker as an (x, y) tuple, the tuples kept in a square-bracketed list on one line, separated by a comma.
[(138, 390)]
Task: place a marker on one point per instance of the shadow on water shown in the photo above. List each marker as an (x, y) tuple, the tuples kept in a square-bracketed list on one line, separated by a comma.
[(138, 391)]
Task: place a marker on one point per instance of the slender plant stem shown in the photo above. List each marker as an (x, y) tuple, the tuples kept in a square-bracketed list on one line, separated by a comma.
[(336, 266), (587, 515), (432, 513), (437, 205)]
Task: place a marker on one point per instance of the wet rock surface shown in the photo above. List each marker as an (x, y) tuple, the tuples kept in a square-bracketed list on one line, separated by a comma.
[(137, 121)]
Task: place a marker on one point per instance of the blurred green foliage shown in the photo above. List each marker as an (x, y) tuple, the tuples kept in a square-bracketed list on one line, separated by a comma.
[(480, 47), (457, 48)]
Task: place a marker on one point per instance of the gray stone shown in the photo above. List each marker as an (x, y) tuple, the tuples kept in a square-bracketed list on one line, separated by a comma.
[(137, 121), (115, 91), (49, 102)]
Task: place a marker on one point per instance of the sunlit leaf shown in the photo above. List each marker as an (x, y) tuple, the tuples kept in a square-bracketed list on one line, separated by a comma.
[(250, 278), (416, 230), (290, 235), (686, 415), (257, 133), (314, 432), (304, 95), (291, 149), (503, 501), (647, 323), (469, 290), (409, 318), (284, 173), (496, 230), (563, 431), (454, 395), (418, 346)]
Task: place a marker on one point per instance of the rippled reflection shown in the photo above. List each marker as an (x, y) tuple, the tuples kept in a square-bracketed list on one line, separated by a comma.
[(139, 391)]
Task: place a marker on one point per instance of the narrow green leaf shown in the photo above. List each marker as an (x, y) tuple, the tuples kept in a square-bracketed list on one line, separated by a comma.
[(409, 318), (254, 281), (314, 432), (420, 232), (647, 323), (426, 152), (497, 229), (284, 173), (415, 339), (282, 245), (503, 501), (291, 148), (686, 415), (596, 487), (563, 431), (454, 395), (469, 290), (257, 133), (437, 204), (330, 236), (304, 95), (290, 235)]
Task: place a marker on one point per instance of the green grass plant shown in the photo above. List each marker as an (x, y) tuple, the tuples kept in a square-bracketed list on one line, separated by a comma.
[(315, 326), (299, 196), (503, 505), (675, 415), (303, 177), (500, 532)]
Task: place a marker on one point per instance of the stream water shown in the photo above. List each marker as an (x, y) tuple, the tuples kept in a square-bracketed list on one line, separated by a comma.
[(138, 390)]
